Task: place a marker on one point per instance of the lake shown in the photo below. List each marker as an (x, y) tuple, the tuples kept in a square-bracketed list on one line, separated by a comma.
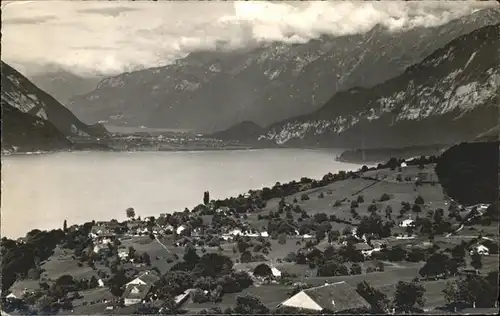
[(41, 191)]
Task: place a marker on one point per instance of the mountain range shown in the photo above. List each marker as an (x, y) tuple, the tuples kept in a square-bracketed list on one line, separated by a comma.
[(211, 91), (62, 84), (33, 120), (451, 96)]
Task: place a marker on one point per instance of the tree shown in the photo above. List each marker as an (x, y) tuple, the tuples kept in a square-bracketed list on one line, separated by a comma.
[(476, 262), (304, 197), (385, 197), (190, 256), (356, 269), (263, 270), (458, 253), (378, 300), (473, 291), (360, 199), (332, 268), (65, 226), (409, 296), (419, 200), (130, 213), (146, 259), (206, 197), (392, 163), (246, 257), (435, 265), (396, 253), (249, 305)]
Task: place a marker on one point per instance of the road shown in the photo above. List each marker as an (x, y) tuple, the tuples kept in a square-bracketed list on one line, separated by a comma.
[(161, 244)]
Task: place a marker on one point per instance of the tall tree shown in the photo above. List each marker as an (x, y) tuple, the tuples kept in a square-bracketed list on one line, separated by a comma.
[(65, 226), (476, 262), (206, 197), (378, 300), (409, 296), (130, 212)]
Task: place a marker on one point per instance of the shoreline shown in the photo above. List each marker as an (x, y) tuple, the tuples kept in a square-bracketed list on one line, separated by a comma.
[(355, 168)]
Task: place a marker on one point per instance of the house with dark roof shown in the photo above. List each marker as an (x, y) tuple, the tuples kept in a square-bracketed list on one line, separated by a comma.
[(146, 278), (335, 298)]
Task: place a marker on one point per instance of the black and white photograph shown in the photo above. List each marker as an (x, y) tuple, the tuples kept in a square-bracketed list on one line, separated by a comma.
[(250, 157)]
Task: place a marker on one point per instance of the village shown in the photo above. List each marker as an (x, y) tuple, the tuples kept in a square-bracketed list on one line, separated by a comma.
[(352, 242)]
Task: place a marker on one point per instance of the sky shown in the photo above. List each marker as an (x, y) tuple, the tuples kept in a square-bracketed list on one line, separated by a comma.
[(110, 37)]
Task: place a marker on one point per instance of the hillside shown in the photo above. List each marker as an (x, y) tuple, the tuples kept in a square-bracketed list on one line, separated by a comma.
[(469, 172), (211, 91), (450, 96), (23, 132), (62, 84), (242, 131), (20, 93), (384, 154)]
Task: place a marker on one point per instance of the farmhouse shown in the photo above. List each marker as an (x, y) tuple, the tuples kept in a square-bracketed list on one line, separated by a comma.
[(333, 298), (480, 249), (137, 289), (135, 293)]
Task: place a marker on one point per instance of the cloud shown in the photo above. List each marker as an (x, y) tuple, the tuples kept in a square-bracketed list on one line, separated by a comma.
[(28, 20), (107, 38), (114, 12)]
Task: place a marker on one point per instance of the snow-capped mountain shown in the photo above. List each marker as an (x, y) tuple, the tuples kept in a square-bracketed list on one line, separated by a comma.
[(20, 93), (450, 96), (211, 91)]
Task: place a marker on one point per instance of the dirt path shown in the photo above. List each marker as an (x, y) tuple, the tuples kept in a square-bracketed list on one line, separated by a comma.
[(164, 247)]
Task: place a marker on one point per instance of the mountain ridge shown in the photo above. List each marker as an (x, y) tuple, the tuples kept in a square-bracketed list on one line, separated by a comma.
[(19, 92), (461, 78), (211, 91)]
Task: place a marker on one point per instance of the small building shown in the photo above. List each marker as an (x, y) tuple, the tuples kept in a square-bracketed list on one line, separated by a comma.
[(404, 165), (181, 298), (480, 249), (100, 283), (407, 223), (266, 271), (12, 297), (264, 234), (337, 297), (135, 293), (180, 229), (123, 255)]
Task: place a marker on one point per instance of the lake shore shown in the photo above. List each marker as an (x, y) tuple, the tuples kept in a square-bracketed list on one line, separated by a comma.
[(85, 185)]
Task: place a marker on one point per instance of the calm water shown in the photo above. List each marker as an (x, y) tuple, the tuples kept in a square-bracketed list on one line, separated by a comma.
[(40, 191)]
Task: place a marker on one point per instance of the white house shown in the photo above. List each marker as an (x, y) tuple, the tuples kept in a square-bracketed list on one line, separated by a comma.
[(135, 293), (264, 234), (11, 297), (123, 255), (180, 229), (407, 222), (307, 236), (480, 249), (100, 282), (236, 232), (276, 273), (403, 165)]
